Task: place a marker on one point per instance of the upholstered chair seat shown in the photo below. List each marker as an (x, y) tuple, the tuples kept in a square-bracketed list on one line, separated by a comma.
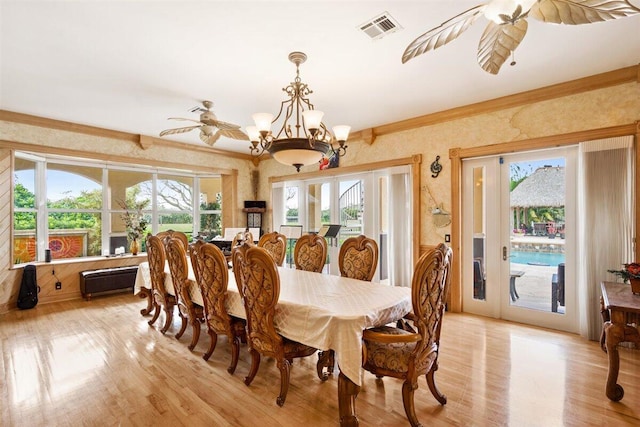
[(392, 356)]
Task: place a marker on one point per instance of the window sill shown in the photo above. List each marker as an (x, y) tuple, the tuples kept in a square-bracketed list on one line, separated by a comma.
[(77, 260)]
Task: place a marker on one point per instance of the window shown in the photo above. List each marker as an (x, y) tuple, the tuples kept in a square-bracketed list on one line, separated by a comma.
[(74, 210), (210, 207), (24, 211), (74, 207)]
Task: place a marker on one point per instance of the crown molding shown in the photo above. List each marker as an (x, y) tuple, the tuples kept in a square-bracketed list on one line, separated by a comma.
[(144, 141), (598, 81)]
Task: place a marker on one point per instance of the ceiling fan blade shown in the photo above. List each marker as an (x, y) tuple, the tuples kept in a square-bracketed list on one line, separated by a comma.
[(234, 134), (497, 43), (446, 32), (186, 120), (178, 130), (578, 12), (210, 138), (226, 126)]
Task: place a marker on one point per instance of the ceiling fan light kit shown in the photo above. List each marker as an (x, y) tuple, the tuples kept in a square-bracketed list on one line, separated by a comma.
[(508, 25), (302, 138)]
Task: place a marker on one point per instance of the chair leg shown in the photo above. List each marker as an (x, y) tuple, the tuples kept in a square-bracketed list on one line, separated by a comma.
[(195, 325), (156, 314), (168, 318), (212, 345), (183, 326), (285, 373), (235, 353), (255, 364), (326, 359), (431, 382), (150, 304), (407, 399)]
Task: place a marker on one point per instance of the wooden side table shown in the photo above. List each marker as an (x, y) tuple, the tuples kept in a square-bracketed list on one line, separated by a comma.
[(623, 308)]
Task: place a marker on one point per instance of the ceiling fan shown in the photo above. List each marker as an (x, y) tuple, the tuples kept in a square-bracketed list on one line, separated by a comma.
[(210, 127), (508, 25)]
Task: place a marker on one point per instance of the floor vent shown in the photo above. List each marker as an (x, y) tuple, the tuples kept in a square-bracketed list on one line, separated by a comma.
[(380, 26)]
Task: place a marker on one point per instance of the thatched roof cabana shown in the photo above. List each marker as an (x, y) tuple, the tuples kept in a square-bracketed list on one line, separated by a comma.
[(543, 188)]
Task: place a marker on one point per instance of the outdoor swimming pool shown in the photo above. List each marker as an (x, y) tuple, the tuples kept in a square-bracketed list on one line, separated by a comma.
[(536, 258)]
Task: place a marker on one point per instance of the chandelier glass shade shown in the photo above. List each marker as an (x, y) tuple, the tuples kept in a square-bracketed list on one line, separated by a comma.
[(302, 138)]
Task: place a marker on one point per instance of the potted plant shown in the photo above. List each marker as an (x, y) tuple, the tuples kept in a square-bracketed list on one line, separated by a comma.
[(630, 274), (136, 225)]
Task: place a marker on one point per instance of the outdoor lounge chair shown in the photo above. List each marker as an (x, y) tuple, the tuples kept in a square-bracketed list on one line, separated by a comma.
[(557, 288), (478, 279)]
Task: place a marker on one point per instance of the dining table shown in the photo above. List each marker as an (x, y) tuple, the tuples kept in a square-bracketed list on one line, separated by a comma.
[(323, 311)]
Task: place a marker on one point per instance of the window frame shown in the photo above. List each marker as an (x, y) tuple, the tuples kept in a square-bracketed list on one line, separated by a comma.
[(42, 211)]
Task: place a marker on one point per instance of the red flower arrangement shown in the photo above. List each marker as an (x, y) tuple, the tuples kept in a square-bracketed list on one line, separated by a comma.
[(630, 271)]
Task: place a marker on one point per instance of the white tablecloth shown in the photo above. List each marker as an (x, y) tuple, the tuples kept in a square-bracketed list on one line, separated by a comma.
[(319, 310)]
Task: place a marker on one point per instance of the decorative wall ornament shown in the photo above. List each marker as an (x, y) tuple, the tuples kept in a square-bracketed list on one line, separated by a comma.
[(436, 168), (508, 25), (441, 218)]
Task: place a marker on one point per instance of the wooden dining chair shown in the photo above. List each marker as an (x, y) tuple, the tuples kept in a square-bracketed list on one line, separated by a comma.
[(261, 292), (177, 234), (189, 311), (358, 258), (310, 253), (212, 276), (396, 352), (276, 244), (159, 295)]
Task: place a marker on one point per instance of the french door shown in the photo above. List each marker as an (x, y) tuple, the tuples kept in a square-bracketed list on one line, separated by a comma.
[(518, 237), (377, 204)]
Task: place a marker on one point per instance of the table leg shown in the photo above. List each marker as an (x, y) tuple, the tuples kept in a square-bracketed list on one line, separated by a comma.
[(146, 293), (347, 393), (613, 336)]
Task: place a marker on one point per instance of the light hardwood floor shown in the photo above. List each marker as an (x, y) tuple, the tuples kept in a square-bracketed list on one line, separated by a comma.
[(99, 363)]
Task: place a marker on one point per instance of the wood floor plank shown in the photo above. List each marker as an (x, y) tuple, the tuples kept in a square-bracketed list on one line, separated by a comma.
[(98, 363)]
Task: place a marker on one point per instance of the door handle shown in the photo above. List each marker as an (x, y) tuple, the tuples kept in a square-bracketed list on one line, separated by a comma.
[(504, 253)]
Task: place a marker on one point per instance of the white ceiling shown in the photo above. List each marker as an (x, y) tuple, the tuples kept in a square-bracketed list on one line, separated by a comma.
[(129, 65)]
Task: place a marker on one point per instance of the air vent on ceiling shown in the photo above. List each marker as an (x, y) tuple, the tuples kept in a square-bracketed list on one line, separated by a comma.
[(380, 26)]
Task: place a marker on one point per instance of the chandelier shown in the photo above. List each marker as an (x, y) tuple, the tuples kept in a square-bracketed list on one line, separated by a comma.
[(302, 139)]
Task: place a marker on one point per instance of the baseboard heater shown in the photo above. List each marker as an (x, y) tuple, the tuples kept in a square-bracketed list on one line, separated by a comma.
[(107, 280)]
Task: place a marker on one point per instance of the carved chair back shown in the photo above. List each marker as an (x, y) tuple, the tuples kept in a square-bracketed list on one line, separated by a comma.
[(261, 293), (175, 234), (276, 244), (212, 276), (177, 258), (157, 258), (238, 259), (358, 258), (429, 290), (310, 253), (239, 238)]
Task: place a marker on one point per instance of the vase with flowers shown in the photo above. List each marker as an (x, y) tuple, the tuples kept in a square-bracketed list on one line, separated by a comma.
[(135, 223), (630, 274)]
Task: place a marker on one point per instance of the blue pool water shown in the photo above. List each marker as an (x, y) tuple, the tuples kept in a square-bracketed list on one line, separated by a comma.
[(537, 258)]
